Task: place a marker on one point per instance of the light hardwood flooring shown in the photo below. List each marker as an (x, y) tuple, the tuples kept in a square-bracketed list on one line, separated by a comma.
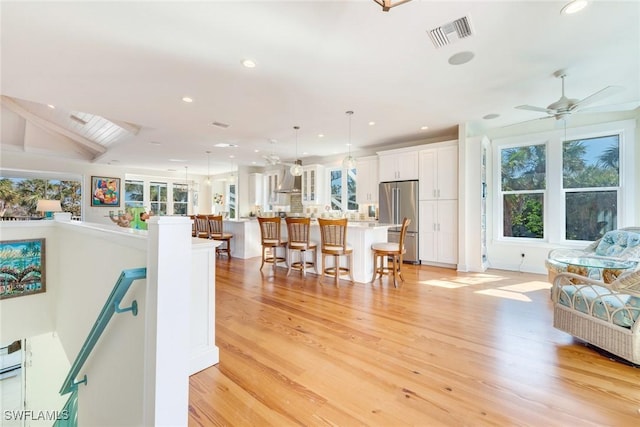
[(445, 349)]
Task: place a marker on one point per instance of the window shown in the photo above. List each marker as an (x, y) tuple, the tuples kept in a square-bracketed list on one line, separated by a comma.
[(180, 198), (158, 198), (232, 200), (133, 194), (565, 187), (19, 195), (342, 184), (591, 178), (523, 184)]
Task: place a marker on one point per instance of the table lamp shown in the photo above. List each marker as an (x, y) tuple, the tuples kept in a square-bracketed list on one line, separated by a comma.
[(48, 207)]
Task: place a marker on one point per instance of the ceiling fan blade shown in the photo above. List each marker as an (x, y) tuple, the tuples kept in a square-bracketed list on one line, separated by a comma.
[(532, 108), (527, 121), (627, 106), (601, 94)]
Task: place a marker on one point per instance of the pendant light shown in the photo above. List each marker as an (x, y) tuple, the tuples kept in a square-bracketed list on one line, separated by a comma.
[(296, 168), (208, 181), (349, 162)]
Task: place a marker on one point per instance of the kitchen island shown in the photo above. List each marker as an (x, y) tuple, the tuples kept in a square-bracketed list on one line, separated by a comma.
[(360, 235)]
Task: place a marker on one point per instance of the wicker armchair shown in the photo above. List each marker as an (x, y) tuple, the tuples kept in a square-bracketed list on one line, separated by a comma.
[(606, 315)]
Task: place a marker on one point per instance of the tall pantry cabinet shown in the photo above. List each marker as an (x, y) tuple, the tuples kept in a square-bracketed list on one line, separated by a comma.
[(438, 203)]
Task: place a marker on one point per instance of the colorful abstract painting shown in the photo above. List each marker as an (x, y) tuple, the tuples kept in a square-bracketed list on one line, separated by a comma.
[(22, 267)]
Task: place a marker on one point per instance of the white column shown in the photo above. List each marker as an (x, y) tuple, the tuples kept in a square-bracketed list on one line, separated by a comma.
[(167, 354)]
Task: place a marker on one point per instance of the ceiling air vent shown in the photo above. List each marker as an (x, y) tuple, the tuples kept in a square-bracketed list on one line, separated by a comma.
[(450, 32), (78, 119)]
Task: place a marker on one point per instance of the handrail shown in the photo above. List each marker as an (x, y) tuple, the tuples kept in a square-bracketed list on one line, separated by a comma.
[(111, 306), (68, 416)]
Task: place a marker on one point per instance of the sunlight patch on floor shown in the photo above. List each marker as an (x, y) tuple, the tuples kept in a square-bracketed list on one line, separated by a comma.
[(527, 286), (505, 294), (443, 284)]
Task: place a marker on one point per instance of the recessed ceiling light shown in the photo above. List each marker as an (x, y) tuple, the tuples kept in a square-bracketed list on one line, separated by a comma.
[(256, 151), (171, 170), (573, 7), (224, 145), (155, 143), (51, 106), (348, 144), (253, 163), (177, 160), (372, 123), (461, 58), (187, 99), (321, 135), (304, 153), (231, 156), (491, 116), (424, 128), (248, 63)]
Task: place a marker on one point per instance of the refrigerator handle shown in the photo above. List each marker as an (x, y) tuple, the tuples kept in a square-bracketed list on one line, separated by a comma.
[(397, 213)]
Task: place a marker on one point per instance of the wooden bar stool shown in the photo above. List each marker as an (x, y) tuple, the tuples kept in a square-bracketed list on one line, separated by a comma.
[(298, 236), (202, 226), (333, 236), (271, 241), (392, 250), (216, 228)]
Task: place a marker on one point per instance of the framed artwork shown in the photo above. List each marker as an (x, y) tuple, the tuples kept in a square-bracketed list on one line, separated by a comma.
[(22, 267), (105, 191)]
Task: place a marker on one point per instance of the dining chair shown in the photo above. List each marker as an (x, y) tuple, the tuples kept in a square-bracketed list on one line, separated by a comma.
[(393, 252), (333, 242), (216, 232), (271, 240), (298, 242)]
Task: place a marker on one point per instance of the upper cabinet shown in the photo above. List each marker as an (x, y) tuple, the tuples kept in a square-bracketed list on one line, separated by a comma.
[(367, 180), (312, 184), (255, 189), (398, 166), (439, 173)]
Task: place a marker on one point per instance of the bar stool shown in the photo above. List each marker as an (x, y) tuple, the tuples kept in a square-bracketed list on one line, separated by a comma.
[(333, 236), (201, 226), (217, 233), (298, 235), (193, 225), (271, 241), (392, 250)]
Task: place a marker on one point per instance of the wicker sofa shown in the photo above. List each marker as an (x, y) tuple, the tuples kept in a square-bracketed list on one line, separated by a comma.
[(606, 315)]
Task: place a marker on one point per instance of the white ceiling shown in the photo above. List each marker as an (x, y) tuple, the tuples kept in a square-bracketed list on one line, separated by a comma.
[(132, 62)]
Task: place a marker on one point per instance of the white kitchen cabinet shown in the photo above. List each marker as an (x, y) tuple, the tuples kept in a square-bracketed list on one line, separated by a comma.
[(312, 177), (398, 166), (439, 173), (255, 190), (438, 234), (367, 180), (270, 185)]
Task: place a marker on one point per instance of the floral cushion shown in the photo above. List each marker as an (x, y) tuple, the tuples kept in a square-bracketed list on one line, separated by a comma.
[(619, 243), (598, 301)]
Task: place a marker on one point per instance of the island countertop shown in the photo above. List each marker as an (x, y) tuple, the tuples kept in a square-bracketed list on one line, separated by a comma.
[(360, 235)]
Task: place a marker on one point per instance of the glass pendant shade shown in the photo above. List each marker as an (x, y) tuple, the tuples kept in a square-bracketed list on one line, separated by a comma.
[(349, 162), (296, 168)]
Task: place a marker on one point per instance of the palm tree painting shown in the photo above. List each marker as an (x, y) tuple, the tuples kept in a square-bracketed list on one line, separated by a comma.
[(22, 267)]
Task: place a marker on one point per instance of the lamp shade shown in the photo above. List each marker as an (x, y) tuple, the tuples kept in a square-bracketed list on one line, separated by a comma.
[(45, 205)]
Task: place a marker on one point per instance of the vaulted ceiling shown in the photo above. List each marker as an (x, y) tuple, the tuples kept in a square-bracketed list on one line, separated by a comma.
[(123, 68)]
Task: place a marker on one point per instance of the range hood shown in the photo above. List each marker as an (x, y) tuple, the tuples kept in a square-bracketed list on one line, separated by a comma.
[(289, 184)]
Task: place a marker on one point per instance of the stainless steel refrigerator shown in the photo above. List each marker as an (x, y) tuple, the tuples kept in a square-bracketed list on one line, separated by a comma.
[(399, 199)]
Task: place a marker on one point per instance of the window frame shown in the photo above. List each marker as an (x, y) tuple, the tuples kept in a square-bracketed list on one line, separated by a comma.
[(554, 194), (344, 190)]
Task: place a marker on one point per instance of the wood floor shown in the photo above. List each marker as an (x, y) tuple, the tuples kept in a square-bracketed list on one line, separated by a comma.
[(447, 348)]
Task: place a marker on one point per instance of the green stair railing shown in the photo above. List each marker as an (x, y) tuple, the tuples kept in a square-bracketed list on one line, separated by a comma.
[(111, 306), (68, 416)]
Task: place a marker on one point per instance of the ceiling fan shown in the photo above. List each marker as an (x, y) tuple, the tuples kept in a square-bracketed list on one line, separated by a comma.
[(564, 107)]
